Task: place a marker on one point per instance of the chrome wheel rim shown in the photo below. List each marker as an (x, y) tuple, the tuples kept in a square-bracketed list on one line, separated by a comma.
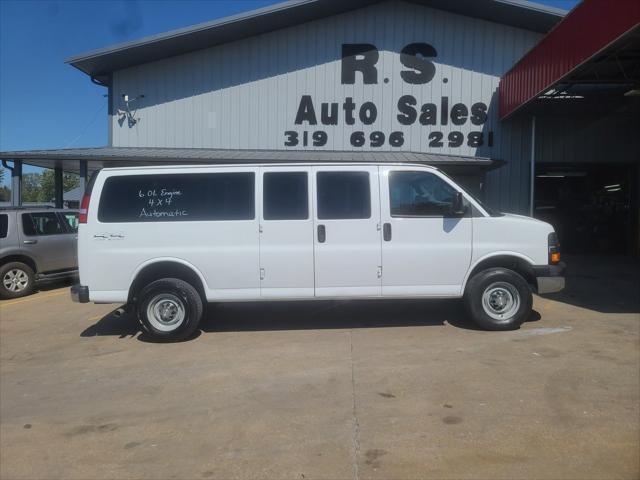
[(166, 312), (501, 301), (15, 280)]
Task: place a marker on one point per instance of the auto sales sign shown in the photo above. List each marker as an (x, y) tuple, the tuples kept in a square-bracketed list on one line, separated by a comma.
[(445, 121)]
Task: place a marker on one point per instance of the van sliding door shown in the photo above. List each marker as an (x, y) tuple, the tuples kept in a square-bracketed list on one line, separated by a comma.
[(286, 233), (347, 234)]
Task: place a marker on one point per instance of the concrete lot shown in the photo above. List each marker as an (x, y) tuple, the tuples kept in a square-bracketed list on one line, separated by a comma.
[(328, 390)]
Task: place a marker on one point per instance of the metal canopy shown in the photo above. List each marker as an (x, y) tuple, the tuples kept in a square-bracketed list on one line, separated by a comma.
[(96, 158), (100, 63), (594, 53)]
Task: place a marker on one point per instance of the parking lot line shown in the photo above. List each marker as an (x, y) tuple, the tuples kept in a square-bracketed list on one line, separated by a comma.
[(30, 299)]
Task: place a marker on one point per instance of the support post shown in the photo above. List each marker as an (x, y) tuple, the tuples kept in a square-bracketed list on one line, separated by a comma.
[(58, 185), (16, 183), (84, 173), (533, 165)]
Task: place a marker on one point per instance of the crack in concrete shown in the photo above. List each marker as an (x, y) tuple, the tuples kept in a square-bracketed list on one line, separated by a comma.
[(355, 432)]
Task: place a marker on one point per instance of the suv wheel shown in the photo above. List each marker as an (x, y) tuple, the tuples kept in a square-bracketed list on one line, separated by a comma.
[(16, 280), (498, 299), (169, 309)]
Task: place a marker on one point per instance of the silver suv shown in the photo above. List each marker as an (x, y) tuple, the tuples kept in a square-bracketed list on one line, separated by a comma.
[(36, 244)]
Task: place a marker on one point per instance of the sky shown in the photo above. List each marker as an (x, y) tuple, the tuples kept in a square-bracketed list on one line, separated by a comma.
[(45, 103)]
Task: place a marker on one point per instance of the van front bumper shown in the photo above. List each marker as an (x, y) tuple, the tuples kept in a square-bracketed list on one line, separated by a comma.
[(80, 293), (550, 278)]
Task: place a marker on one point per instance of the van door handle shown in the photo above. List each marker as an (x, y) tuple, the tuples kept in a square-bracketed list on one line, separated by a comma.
[(30, 242), (322, 234), (386, 232)]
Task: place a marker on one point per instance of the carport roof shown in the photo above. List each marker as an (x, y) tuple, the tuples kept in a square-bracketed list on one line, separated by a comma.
[(100, 63), (594, 50), (67, 159)]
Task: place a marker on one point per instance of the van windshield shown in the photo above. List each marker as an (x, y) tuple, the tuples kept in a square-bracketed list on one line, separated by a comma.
[(491, 211)]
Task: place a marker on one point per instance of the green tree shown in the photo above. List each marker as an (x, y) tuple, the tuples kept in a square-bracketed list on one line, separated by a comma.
[(5, 191), (47, 184), (40, 187), (31, 187)]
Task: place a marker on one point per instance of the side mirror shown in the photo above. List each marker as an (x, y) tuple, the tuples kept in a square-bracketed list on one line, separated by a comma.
[(457, 205)]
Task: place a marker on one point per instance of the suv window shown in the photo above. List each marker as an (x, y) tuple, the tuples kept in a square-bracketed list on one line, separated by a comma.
[(71, 218), (419, 194), (343, 195), (178, 197), (285, 196), (41, 223), (4, 225)]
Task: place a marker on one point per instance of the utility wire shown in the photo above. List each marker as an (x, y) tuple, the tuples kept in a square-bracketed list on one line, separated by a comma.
[(93, 119)]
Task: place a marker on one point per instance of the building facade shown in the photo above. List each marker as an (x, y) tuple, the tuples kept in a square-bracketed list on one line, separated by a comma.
[(393, 76)]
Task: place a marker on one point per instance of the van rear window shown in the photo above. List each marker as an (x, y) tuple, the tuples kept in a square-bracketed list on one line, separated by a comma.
[(178, 197)]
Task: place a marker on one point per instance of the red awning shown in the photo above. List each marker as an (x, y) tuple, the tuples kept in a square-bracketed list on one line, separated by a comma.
[(584, 33)]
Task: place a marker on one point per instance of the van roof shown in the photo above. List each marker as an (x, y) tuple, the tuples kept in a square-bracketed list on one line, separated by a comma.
[(279, 164)]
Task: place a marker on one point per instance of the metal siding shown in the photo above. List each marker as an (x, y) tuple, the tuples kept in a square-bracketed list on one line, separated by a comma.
[(244, 95), (588, 138)]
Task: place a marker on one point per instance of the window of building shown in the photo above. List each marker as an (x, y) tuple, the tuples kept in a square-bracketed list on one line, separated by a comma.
[(178, 197), (343, 195), (41, 223), (285, 196), (419, 194)]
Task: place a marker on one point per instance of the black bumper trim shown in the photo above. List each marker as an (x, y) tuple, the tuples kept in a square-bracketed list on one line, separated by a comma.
[(80, 293), (550, 278), (550, 270)]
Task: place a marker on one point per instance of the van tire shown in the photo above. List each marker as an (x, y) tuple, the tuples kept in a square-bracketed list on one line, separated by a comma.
[(498, 299), (20, 271), (169, 309)]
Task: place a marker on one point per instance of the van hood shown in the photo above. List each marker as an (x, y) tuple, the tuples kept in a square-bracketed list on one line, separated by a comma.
[(515, 215), (526, 219)]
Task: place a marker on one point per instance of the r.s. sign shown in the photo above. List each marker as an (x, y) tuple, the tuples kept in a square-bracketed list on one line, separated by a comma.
[(418, 70)]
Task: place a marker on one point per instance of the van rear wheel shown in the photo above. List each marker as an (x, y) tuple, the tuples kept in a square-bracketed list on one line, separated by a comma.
[(169, 309), (498, 299)]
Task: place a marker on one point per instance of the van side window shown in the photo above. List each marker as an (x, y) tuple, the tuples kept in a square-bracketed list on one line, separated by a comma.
[(343, 195), (44, 223), (178, 197), (4, 225), (419, 194), (285, 196)]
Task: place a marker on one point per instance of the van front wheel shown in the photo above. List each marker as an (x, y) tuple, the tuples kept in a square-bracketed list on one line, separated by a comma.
[(498, 299), (169, 309)]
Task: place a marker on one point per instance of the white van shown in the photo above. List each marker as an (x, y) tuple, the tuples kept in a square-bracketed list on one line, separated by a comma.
[(166, 239)]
